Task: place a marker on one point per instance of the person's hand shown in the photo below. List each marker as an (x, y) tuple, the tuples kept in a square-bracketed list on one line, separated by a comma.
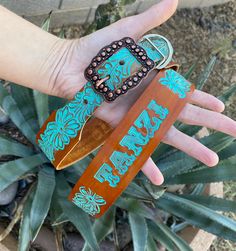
[(67, 78)]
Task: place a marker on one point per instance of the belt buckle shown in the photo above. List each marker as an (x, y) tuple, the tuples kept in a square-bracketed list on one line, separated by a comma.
[(99, 84), (166, 57)]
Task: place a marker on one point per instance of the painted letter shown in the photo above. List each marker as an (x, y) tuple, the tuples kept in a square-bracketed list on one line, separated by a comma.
[(105, 174), (158, 109), (144, 121), (122, 161), (132, 139)]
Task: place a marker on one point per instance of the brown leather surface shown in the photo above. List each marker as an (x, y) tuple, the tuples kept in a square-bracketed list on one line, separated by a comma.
[(89, 138), (164, 97)]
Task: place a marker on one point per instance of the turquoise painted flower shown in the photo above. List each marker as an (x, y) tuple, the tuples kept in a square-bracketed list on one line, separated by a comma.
[(68, 121), (47, 147), (87, 200), (176, 83), (119, 66), (85, 103), (62, 129)]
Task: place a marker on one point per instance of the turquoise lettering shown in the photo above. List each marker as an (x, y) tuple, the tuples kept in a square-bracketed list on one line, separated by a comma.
[(105, 174), (122, 161), (158, 109), (144, 121), (132, 139)]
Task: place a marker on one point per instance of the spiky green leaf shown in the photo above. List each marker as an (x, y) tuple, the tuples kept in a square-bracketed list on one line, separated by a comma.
[(151, 244), (198, 215), (10, 107), (158, 235), (76, 215), (42, 199), (23, 96), (25, 232), (212, 202), (41, 103), (139, 231), (11, 147), (135, 206), (13, 170), (179, 242), (225, 171), (203, 77), (228, 93), (102, 226)]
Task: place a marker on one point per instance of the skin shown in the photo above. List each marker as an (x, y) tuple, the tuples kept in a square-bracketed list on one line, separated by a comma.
[(39, 60)]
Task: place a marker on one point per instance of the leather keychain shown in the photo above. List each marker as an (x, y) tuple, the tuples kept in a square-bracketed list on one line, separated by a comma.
[(132, 142)]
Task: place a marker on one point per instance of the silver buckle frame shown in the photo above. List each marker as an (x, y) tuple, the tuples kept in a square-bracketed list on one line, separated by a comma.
[(166, 59)]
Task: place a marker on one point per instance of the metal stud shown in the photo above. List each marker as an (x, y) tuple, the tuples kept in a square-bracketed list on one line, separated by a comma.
[(140, 74), (118, 91), (128, 41), (110, 95), (90, 71), (144, 69), (130, 83)]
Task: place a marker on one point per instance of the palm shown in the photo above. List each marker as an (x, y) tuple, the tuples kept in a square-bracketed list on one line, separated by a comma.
[(71, 79)]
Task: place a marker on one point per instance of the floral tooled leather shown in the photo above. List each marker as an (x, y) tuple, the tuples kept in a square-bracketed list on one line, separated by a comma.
[(176, 83), (87, 200), (69, 120)]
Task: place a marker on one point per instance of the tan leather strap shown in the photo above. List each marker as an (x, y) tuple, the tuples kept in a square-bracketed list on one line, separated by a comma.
[(132, 142)]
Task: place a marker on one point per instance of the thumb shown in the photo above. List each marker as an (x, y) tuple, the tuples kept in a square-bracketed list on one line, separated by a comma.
[(152, 17)]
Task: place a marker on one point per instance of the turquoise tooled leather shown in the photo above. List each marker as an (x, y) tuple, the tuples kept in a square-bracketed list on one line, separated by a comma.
[(176, 83), (71, 118), (87, 200), (118, 72)]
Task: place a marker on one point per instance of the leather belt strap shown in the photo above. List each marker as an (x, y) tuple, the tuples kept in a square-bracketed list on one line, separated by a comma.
[(132, 142), (69, 134)]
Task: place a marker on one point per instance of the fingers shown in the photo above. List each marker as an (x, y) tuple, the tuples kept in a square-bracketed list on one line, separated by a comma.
[(191, 146), (156, 15), (152, 172), (194, 115), (208, 101), (135, 26)]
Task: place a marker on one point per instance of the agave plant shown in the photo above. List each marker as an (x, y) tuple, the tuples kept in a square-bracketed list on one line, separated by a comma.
[(141, 203)]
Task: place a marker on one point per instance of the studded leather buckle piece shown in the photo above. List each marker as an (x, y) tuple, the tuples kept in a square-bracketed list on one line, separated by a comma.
[(71, 133), (127, 48)]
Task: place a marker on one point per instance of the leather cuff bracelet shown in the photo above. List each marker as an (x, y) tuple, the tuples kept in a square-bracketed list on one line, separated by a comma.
[(68, 135), (132, 142)]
